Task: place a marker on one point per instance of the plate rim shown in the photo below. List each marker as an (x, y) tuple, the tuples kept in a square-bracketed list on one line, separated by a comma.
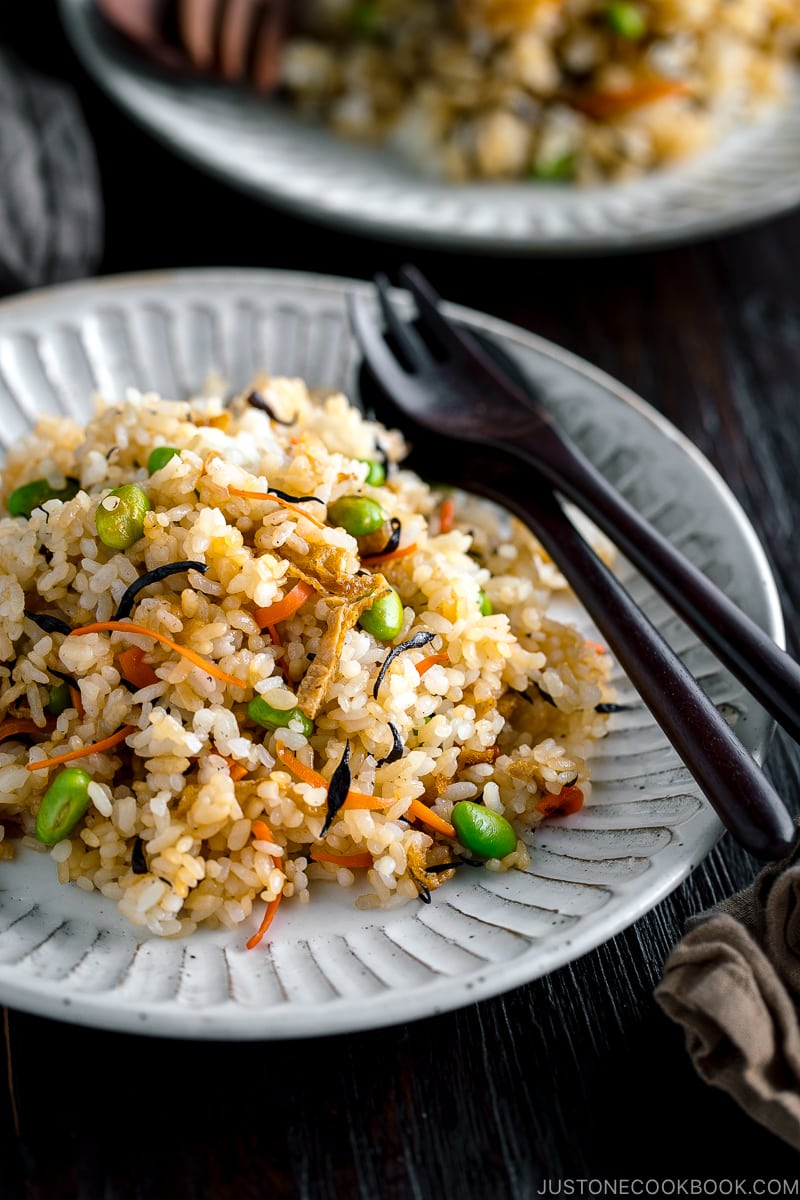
[(41, 996), (77, 17)]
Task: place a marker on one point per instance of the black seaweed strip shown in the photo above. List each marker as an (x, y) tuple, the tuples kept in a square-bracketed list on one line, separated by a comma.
[(129, 596), (548, 699), (396, 750), (393, 542), (256, 400), (138, 861), (293, 499), (338, 788), (414, 643), (424, 893), (47, 623), (611, 708)]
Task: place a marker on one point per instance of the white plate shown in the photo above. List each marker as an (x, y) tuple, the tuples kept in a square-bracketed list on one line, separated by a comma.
[(329, 967), (258, 146)]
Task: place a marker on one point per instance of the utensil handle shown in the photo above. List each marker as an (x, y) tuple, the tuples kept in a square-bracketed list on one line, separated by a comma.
[(728, 775), (768, 672)]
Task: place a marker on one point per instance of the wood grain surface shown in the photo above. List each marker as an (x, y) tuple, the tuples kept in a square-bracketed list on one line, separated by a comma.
[(578, 1076)]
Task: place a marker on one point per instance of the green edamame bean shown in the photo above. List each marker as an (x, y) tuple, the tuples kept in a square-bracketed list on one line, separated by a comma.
[(485, 604), (160, 457), (483, 831), (120, 516), (357, 515), (260, 711), (627, 20), (376, 475), (63, 805), (384, 619), (59, 699), (554, 170), (23, 500)]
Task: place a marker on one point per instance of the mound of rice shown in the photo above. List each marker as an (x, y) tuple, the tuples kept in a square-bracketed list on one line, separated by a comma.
[(576, 90), (505, 714)]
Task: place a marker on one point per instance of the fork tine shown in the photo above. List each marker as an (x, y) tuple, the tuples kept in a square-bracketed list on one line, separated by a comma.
[(409, 343), (371, 342), (428, 302)]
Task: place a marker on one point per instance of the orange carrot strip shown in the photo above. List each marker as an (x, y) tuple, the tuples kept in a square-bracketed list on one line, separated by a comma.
[(301, 512), (287, 607), (447, 512), (342, 860), (431, 661), (568, 800), (14, 725), (191, 655), (272, 908), (308, 775), (605, 105), (211, 454), (75, 698), (262, 831), (420, 812), (596, 646), (84, 751), (372, 560), (236, 770), (132, 668)]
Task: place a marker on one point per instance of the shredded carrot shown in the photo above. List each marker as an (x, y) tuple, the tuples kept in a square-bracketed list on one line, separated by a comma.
[(75, 699), (342, 860), (604, 105), (272, 908), (287, 607), (236, 770), (262, 831), (431, 661), (308, 775), (447, 512), (295, 508), (191, 655), (596, 646), (418, 811), (372, 560), (211, 454), (14, 725), (568, 800), (84, 751), (132, 668)]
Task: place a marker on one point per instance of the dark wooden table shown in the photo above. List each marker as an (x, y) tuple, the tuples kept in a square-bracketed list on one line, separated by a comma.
[(578, 1076)]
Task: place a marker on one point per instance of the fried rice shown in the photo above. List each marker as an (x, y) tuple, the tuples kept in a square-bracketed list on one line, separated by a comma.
[(198, 816), (570, 90)]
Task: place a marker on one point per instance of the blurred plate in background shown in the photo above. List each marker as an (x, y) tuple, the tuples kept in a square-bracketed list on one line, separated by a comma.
[(259, 146)]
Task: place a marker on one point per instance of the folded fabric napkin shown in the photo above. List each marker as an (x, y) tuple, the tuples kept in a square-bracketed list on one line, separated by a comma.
[(733, 983), (51, 216)]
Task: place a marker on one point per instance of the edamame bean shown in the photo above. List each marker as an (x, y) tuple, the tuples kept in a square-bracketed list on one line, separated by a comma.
[(59, 699), (357, 515), (160, 457), (23, 500), (262, 712), (483, 831), (554, 170), (120, 516), (627, 20), (384, 619), (63, 805), (376, 475), (485, 604)]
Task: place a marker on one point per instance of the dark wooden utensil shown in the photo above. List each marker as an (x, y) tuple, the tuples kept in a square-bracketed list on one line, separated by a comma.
[(462, 391), (729, 777)]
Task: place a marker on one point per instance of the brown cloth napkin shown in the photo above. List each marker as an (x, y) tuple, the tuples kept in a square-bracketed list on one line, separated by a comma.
[(733, 983)]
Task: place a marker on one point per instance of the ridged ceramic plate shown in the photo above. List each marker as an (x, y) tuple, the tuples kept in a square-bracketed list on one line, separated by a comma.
[(328, 966), (259, 146)]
